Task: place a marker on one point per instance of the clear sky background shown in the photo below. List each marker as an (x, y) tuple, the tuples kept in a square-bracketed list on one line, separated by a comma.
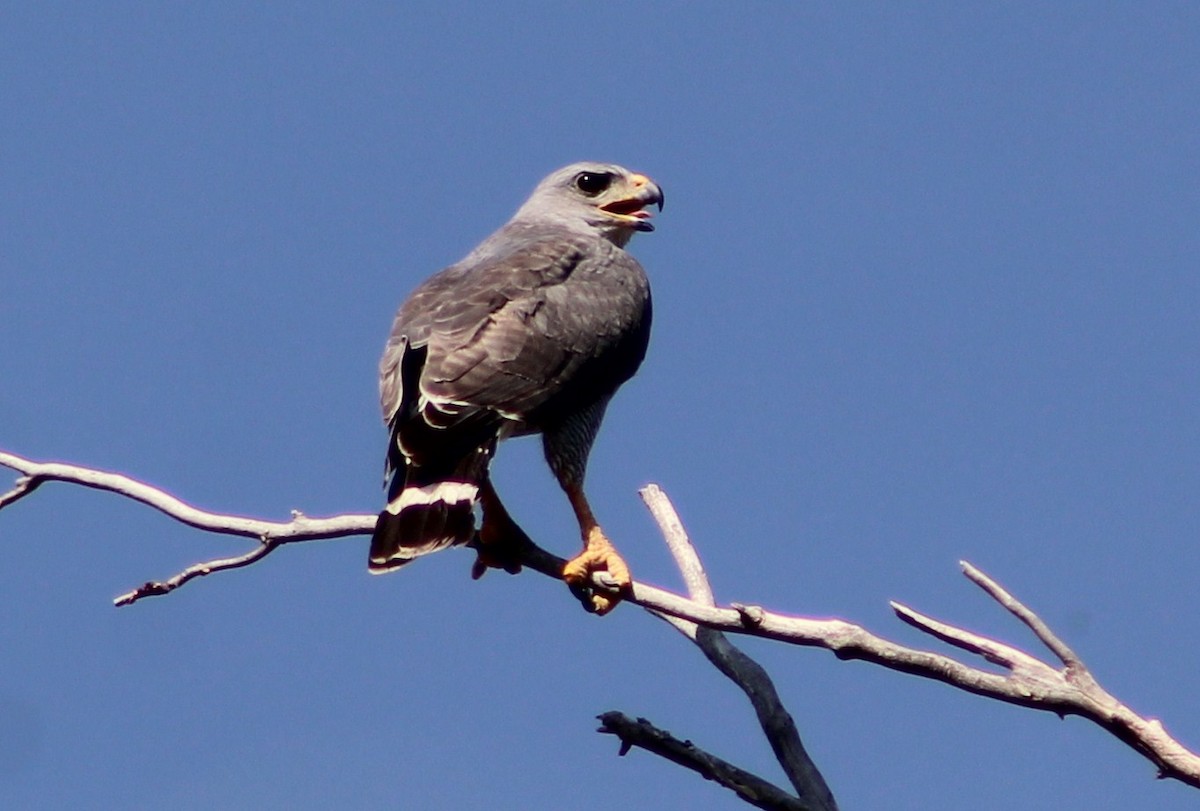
[(926, 288)]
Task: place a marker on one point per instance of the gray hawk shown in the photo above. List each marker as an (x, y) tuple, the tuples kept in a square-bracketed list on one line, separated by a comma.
[(531, 333)]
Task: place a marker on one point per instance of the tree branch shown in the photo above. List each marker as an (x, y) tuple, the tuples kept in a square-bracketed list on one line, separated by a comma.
[(270, 534), (776, 722), (155, 588), (749, 787), (1028, 682)]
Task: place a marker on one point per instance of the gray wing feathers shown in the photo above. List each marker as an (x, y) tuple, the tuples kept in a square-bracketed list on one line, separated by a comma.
[(503, 333)]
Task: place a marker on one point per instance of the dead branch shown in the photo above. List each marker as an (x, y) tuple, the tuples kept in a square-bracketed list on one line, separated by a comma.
[(270, 534), (776, 722), (1028, 682), (751, 788), (156, 588)]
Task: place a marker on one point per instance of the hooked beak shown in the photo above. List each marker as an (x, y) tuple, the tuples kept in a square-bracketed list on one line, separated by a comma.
[(631, 209)]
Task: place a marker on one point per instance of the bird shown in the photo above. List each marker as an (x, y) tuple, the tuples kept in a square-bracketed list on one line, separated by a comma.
[(532, 332)]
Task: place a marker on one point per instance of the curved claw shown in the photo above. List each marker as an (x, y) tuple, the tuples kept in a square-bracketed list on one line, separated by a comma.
[(499, 543), (583, 592), (598, 556)]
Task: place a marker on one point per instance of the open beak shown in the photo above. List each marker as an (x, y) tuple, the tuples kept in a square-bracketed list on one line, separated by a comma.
[(632, 209)]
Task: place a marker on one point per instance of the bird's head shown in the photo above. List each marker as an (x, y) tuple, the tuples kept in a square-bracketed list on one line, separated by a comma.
[(600, 196)]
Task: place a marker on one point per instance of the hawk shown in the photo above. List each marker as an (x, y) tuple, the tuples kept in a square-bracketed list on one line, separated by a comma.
[(531, 333)]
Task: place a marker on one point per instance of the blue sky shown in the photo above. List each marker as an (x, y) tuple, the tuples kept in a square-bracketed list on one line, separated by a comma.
[(926, 289)]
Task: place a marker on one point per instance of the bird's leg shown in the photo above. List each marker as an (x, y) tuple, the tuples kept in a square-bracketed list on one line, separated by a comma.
[(598, 555), (500, 539)]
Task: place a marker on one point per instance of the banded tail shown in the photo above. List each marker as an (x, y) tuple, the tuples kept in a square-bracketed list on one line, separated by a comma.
[(427, 510)]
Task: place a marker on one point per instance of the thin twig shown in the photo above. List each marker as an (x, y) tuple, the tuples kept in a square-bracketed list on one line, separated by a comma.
[(154, 588), (995, 652), (1014, 606)]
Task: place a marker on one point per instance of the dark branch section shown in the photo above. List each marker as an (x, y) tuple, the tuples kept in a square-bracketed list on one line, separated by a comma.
[(751, 788), (773, 717)]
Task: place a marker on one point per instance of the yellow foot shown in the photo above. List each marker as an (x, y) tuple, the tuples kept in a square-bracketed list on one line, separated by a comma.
[(598, 556)]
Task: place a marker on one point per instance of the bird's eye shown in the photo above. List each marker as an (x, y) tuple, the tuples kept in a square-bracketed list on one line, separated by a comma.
[(593, 183)]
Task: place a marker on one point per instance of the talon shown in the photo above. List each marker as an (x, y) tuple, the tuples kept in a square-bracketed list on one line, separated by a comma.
[(598, 556), (499, 541), (583, 593), (502, 554)]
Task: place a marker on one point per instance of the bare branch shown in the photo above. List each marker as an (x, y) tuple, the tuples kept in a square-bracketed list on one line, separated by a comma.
[(1069, 691), (748, 787), (995, 652), (300, 528), (269, 534), (676, 537), (154, 588), (1014, 606), (776, 722)]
